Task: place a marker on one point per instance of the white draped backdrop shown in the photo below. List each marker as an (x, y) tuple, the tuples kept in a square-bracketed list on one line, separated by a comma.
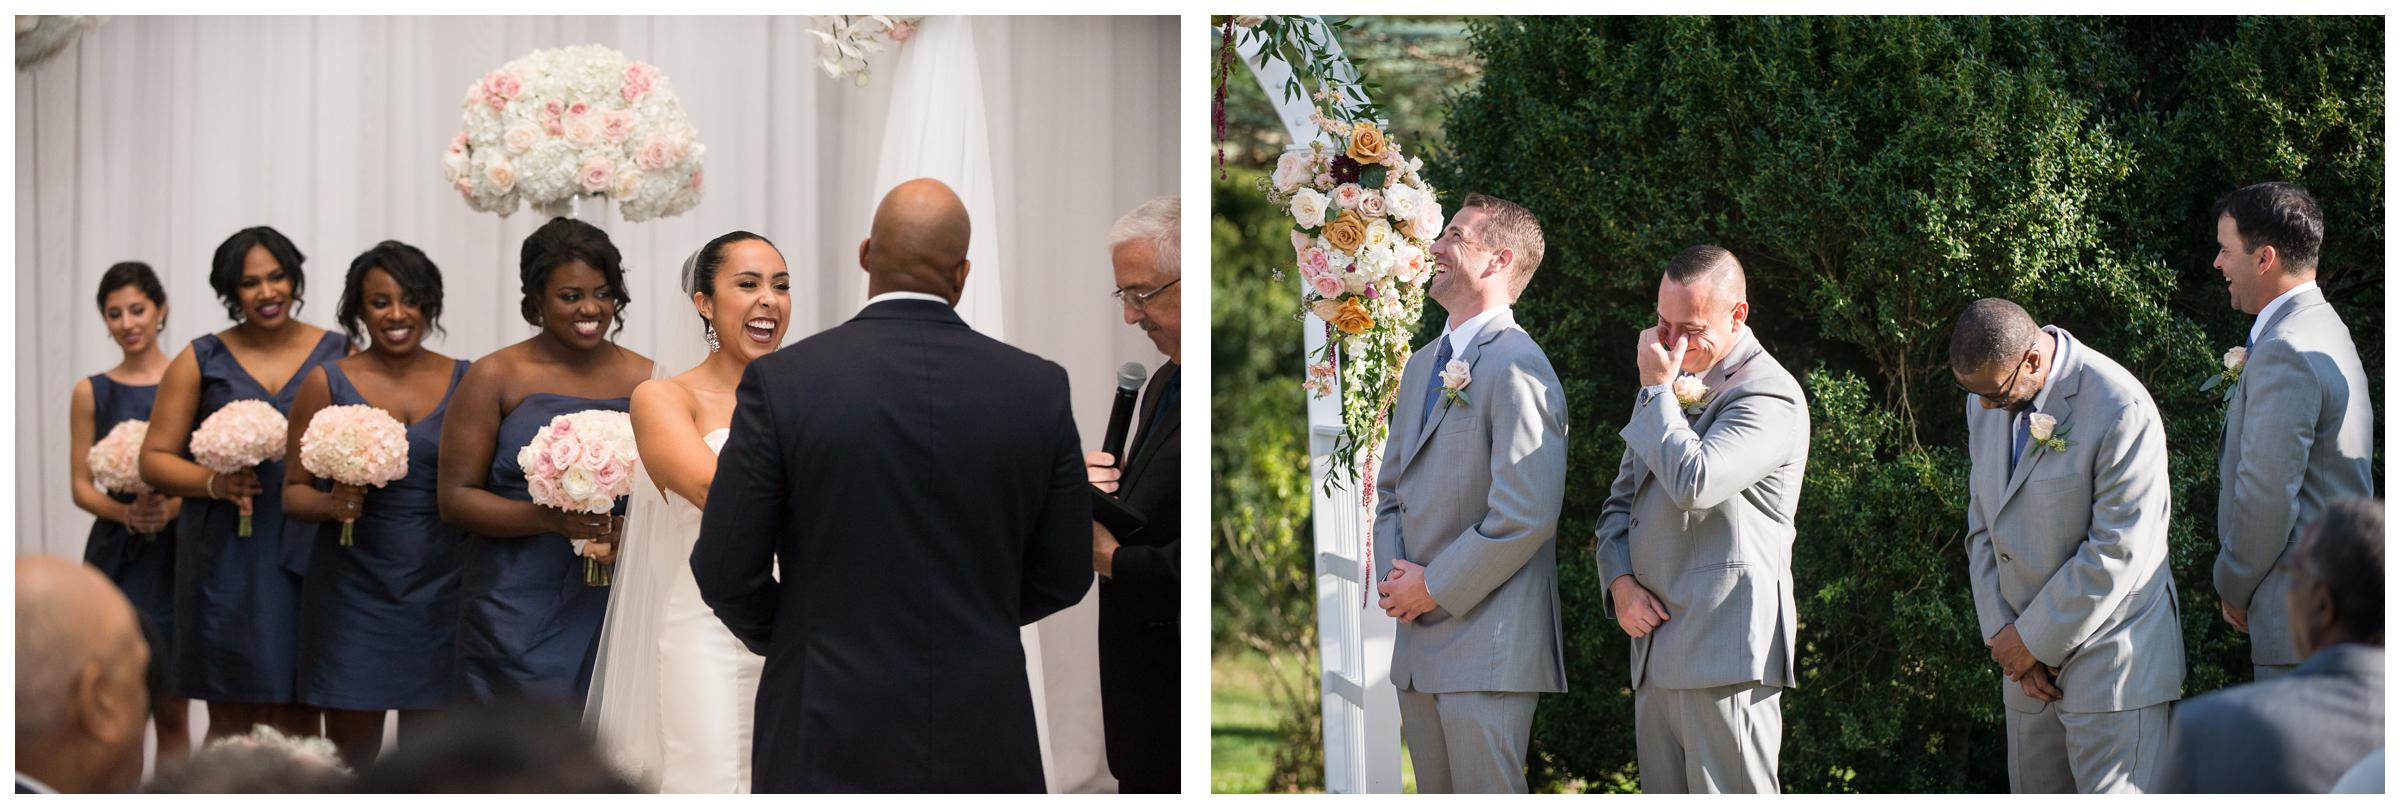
[(153, 138)]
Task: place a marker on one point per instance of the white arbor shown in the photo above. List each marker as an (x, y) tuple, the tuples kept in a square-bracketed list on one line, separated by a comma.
[(1354, 639)]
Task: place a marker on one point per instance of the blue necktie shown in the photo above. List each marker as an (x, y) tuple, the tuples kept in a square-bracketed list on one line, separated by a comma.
[(1433, 385), (2024, 433)]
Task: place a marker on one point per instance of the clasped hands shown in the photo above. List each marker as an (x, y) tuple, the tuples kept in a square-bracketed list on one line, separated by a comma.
[(2039, 679), (150, 512), (601, 532), (1404, 593)]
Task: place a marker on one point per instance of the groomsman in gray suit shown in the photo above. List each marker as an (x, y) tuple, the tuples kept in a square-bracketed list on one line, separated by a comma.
[(2067, 551), (2299, 429), (1695, 540), (1466, 505)]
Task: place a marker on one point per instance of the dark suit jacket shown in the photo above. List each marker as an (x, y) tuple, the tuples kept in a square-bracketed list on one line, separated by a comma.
[(1138, 654), (2295, 733), (920, 489)]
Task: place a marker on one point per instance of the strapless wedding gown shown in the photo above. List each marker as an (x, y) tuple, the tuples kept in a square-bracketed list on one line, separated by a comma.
[(674, 713)]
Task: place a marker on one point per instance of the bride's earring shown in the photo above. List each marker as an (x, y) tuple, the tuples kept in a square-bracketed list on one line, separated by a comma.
[(708, 331)]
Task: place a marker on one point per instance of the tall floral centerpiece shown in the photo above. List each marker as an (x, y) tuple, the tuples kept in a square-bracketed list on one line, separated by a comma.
[(563, 123)]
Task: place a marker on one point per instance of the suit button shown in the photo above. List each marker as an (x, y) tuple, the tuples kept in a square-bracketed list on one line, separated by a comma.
[(2004, 557), (1633, 523)]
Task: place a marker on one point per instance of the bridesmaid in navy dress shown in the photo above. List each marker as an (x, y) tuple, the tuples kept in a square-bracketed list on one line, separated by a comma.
[(377, 616), (237, 598), (528, 624), (132, 541)]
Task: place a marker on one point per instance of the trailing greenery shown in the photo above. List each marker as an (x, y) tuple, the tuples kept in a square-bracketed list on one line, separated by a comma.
[(1874, 175)]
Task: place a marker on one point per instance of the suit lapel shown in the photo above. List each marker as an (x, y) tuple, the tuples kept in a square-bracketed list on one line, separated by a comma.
[(2068, 377), (2306, 299), (1991, 460), (1163, 420), (1491, 330), (1404, 423)]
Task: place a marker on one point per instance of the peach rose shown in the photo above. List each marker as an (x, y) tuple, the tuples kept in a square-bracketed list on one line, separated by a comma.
[(597, 174), (501, 175), (616, 126), (1353, 317), (1346, 232), (1366, 143)]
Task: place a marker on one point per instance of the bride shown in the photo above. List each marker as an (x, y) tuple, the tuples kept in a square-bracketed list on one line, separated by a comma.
[(673, 691)]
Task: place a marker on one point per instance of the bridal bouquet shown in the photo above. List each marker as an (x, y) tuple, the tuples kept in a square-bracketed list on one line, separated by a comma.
[(1364, 225), (116, 461), (239, 436), (564, 122), (581, 462), (356, 445)]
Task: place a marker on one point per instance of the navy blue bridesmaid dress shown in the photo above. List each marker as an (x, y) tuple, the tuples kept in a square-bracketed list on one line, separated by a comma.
[(529, 625), (378, 616), (143, 568), (237, 599)]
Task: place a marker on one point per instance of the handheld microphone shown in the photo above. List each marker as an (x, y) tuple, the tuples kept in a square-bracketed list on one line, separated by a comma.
[(1129, 388)]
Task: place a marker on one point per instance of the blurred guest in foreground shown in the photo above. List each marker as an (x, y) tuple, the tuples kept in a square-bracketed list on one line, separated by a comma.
[(81, 703)]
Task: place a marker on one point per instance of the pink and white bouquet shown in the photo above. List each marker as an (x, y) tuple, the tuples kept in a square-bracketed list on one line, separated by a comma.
[(356, 445), (584, 120), (241, 435), (116, 461), (581, 462)]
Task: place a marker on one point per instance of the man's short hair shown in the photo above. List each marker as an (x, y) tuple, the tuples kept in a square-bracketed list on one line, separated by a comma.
[(1159, 222), (1708, 262), (1991, 332), (1509, 226), (2345, 553), (2280, 214)]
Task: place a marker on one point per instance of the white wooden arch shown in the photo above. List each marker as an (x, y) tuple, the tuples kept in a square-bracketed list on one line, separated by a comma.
[(1354, 639)]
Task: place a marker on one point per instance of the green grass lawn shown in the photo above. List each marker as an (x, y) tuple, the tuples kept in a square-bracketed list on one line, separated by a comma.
[(1241, 739)]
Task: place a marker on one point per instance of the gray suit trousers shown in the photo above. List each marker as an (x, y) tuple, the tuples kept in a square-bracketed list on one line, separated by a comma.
[(1468, 741), (2055, 751), (1708, 740)]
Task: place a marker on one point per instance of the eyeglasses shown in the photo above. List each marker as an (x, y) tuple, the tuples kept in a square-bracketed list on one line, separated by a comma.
[(2007, 386), (1140, 299)]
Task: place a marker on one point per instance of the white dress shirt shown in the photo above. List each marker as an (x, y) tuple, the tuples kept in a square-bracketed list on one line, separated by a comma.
[(906, 296), (1465, 334)]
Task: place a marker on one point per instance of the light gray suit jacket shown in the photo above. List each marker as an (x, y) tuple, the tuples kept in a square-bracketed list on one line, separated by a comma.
[(2072, 548), (1474, 497), (2299, 433), (2296, 733), (1701, 514)]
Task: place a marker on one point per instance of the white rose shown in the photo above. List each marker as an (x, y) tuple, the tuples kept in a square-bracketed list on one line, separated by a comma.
[(1308, 208), (1400, 203), (1290, 171), (1455, 376), (1377, 261), (522, 137), (499, 176), (578, 485), (2039, 425), (1379, 234), (2235, 356)]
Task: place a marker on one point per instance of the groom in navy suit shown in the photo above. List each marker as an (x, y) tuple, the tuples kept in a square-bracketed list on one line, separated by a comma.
[(917, 491)]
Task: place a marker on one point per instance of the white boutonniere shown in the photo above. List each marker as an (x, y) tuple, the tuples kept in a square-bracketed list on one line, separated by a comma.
[(1690, 394), (2046, 433), (1454, 383), (2235, 358)]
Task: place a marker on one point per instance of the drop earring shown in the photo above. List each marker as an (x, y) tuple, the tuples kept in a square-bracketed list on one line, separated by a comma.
[(708, 331)]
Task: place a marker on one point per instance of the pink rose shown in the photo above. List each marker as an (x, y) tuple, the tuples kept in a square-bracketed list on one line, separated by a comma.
[(1370, 204), (597, 175), (459, 142), (553, 127), (609, 476), (578, 108), (1347, 196), (562, 428), (637, 80), (1315, 260), (653, 155), (616, 126), (563, 452), (900, 31), (465, 186), (1300, 242), (696, 175), (1326, 285), (596, 455)]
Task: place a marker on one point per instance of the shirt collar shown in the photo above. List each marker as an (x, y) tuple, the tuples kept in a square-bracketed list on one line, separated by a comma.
[(2058, 364), (1465, 334), (906, 296), (2276, 305)]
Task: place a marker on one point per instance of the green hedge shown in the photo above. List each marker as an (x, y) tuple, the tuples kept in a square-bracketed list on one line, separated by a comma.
[(1874, 175)]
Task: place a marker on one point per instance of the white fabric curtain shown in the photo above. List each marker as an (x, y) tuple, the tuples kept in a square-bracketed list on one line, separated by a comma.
[(153, 138)]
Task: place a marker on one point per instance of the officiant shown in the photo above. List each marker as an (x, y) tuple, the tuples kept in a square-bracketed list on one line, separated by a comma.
[(1138, 573)]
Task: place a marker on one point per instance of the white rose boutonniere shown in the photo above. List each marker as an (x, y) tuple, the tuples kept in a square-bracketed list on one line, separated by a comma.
[(2235, 358), (2046, 433), (1454, 383), (1690, 394)]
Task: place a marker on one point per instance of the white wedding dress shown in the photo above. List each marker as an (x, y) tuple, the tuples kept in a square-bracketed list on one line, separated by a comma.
[(673, 692)]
